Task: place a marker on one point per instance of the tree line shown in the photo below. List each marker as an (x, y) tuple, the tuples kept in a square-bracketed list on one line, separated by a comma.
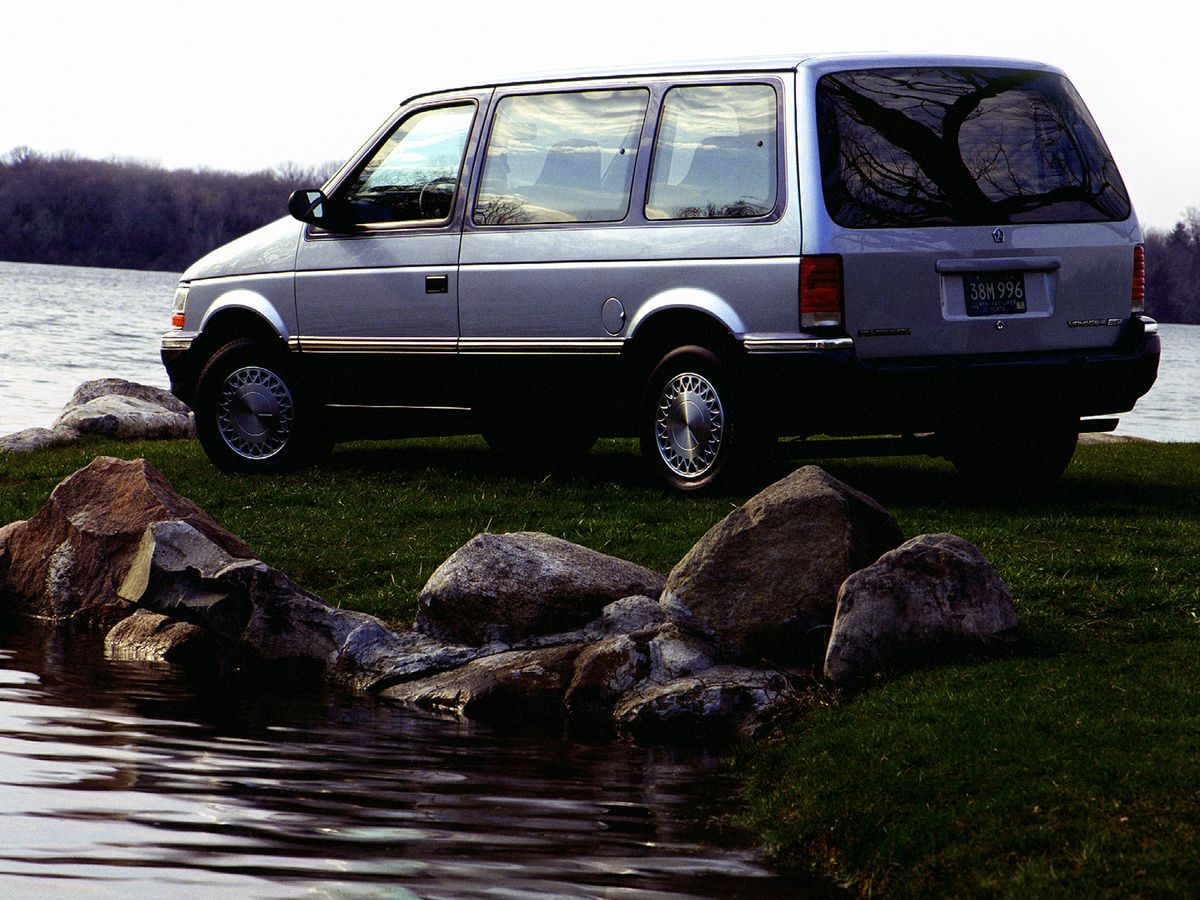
[(1173, 271), (65, 210)]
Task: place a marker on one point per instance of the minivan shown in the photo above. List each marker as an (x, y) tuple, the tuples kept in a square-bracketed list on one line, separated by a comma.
[(938, 250)]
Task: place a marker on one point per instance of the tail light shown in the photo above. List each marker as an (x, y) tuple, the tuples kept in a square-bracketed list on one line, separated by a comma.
[(1138, 299), (820, 291)]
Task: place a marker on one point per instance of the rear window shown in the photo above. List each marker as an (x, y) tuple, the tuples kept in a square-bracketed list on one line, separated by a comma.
[(954, 146)]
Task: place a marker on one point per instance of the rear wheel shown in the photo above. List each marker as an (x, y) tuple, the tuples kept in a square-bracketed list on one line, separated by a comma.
[(250, 415), (688, 419), (1016, 455)]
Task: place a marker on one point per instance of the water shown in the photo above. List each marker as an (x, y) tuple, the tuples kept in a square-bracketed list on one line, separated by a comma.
[(61, 325), (126, 777)]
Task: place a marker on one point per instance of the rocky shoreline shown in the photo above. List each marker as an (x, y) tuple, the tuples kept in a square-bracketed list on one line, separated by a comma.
[(808, 580)]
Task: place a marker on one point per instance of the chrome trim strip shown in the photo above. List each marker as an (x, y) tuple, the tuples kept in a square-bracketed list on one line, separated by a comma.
[(540, 345), (797, 345), (328, 344), (1151, 325), (637, 262), (177, 341)]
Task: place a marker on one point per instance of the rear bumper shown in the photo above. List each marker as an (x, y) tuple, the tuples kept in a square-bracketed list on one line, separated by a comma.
[(832, 391)]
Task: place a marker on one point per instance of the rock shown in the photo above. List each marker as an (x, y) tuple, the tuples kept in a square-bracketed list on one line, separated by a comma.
[(514, 687), (674, 654), (508, 587), (726, 699), (119, 387), (765, 576), (149, 636), (66, 562), (32, 439), (126, 419), (179, 572), (932, 589), (110, 407), (630, 615), (603, 672)]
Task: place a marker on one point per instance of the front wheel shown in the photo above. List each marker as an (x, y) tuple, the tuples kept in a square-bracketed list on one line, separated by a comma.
[(250, 417), (687, 419)]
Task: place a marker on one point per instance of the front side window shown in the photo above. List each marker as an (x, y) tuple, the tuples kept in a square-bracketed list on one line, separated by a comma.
[(715, 154), (414, 176), (953, 146), (562, 157)]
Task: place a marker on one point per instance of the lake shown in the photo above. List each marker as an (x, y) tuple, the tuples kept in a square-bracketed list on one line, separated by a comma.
[(62, 325), (127, 778)]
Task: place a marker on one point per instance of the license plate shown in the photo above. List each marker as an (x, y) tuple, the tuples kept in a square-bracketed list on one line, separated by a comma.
[(994, 293)]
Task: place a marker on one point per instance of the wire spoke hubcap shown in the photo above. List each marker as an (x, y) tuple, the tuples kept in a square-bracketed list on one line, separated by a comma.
[(689, 425), (255, 412)]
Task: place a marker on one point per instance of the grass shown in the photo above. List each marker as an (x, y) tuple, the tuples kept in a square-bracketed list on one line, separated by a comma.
[(1071, 767)]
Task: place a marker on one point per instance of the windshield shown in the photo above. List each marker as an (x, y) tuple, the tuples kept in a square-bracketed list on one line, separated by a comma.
[(955, 146)]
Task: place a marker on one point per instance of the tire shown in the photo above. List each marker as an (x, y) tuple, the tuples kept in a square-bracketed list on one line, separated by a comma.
[(250, 415), (687, 420), (1017, 456)]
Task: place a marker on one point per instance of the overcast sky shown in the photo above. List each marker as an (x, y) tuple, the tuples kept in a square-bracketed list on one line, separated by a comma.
[(250, 84)]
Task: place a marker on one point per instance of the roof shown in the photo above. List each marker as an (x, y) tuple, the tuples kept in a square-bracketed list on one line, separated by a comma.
[(819, 61)]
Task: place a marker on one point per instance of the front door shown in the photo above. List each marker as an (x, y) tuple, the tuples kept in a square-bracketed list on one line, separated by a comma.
[(377, 305)]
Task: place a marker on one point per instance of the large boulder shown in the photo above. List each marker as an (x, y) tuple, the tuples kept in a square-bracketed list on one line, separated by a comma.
[(115, 408), (509, 587), (67, 561), (933, 589), (767, 574)]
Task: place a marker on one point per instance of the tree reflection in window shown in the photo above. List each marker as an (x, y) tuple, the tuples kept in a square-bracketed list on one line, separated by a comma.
[(952, 146)]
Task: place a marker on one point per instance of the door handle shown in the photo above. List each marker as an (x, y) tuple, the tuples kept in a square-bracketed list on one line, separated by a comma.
[(437, 284)]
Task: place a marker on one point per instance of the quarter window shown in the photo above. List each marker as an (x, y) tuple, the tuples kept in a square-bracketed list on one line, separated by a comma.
[(561, 157), (414, 176), (715, 155)]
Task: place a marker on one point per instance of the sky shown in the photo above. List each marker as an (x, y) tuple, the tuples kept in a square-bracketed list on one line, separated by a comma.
[(253, 84)]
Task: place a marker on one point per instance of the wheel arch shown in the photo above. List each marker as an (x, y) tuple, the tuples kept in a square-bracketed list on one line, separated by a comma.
[(662, 330)]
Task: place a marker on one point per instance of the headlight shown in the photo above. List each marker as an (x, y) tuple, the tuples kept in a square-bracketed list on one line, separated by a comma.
[(179, 306)]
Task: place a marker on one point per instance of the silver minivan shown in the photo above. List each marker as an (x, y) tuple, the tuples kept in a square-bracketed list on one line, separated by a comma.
[(709, 257)]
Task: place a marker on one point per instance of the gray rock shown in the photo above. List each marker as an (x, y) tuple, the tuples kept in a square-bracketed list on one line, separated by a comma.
[(32, 439), (603, 672), (675, 654), (932, 589), (119, 387), (722, 699), (630, 615), (508, 587), (126, 419), (516, 686), (765, 576), (149, 636)]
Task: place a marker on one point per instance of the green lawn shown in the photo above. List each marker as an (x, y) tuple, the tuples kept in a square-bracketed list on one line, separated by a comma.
[(1070, 767)]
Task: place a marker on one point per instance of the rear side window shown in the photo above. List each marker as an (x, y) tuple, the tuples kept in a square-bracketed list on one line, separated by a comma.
[(953, 146), (715, 155), (563, 157)]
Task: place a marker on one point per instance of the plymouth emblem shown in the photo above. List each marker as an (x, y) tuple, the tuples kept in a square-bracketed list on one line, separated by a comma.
[(998, 236)]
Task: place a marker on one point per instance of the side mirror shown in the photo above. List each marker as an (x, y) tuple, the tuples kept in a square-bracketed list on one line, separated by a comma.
[(313, 207)]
